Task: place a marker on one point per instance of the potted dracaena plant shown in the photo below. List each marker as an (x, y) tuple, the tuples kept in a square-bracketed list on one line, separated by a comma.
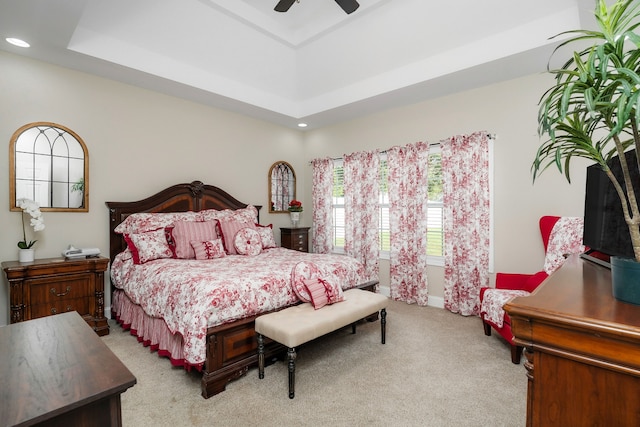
[(593, 112)]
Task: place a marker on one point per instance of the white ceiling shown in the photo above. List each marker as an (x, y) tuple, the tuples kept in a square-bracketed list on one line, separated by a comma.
[(313, 63)]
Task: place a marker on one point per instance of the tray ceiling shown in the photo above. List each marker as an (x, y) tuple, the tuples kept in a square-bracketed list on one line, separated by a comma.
[(313, 63)]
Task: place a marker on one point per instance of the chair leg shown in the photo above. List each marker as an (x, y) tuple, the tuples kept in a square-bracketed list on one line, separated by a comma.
[(487, 328), (516, 352)]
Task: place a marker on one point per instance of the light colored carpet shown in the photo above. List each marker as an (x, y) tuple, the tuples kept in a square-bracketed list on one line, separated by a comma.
[(436, 369)]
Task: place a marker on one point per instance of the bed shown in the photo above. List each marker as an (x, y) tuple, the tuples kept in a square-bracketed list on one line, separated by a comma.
[(216, 339)]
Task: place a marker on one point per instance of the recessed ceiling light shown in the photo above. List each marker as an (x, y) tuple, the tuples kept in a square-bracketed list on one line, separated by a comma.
[(17, 42), (302, 125)]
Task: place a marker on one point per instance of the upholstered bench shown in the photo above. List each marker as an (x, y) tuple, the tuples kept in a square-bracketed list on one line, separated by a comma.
[(299, 324)]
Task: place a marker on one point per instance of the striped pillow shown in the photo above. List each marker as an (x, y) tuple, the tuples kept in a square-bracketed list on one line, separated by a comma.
[(185, 232), (317, 292), (228, 231)]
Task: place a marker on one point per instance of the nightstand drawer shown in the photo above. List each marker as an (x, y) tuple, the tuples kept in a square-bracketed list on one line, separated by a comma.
[(81, 305), (67, 288), (295, 238)]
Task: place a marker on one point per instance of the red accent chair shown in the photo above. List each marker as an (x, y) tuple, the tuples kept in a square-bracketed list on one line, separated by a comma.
[(523, 282)]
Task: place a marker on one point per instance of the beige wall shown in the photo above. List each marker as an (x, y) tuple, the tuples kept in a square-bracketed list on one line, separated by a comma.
[(508, 110), (140, 142)]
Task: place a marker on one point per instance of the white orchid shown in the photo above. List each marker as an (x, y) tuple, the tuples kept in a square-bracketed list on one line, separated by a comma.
[(37, 221)]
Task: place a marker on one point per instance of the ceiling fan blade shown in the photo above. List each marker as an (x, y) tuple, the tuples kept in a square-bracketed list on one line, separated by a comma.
[(284, 5), (349, 6)]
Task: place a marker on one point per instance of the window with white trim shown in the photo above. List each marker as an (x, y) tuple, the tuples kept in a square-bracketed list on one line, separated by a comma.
[(435, 231)]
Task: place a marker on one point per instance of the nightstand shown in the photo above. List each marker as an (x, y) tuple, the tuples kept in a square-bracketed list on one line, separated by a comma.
[(295, 238), (56, 285)]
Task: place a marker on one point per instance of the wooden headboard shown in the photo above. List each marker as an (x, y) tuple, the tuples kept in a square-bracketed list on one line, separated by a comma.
[(195, 196)]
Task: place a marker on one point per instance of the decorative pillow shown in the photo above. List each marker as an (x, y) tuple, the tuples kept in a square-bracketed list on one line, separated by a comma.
[(303, 271), (168, 233), (228, 230), (148, 246), (143, 222), (210, 249), (185, 232), (266, 235), (332, 286), (248, 214), (247, 242), (317, 292)]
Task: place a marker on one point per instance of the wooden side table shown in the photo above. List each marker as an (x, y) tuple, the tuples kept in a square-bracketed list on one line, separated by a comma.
[(57, 285), (295, 238), (55, 371)]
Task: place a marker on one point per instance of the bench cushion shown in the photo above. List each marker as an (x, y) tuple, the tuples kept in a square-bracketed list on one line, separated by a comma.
[(301, 323)]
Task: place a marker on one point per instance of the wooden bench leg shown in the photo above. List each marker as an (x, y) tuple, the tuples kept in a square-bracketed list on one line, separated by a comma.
[(291, 353), (260, 356), (383, 324)]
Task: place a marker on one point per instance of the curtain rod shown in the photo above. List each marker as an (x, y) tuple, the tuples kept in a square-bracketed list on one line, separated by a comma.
[(431, 144)]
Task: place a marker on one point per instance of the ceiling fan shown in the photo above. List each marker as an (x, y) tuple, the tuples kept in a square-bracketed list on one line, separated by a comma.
[(349, 6)]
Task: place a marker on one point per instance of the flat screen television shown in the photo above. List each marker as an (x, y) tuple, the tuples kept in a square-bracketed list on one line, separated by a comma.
[(605, 230)]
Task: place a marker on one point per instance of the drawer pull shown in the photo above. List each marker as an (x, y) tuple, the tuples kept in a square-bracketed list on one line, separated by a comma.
[(53, 291), (53, 310)]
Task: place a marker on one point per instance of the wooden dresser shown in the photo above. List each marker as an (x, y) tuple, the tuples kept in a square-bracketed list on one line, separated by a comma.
[(57, 285), (295, 238), (56, 372), (582, 350)]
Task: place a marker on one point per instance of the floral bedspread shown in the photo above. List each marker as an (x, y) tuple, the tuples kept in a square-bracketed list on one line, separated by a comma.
[(192, 295)]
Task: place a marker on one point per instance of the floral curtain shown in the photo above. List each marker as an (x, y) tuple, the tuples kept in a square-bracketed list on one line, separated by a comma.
[(408, 184), (361, 188), (465, 170), (322, 194)]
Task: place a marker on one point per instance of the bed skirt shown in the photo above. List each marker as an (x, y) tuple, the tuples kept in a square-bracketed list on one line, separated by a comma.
[(152, 332)]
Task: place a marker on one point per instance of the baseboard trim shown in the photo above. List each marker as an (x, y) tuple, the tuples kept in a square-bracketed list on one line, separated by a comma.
[(437, 302)]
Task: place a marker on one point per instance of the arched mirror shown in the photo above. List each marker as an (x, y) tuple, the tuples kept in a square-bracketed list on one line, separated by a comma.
[(282, 187), (49, 163)]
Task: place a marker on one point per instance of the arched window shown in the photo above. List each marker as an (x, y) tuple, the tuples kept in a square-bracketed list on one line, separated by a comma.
[(49, 163), (282, 186)]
